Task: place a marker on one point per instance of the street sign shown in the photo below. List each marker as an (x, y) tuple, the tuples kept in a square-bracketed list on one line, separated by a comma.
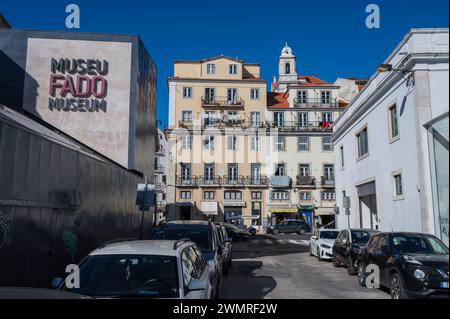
[(145, 196)]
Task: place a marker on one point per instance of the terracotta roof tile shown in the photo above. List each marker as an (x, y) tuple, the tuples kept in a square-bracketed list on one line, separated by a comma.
[(277, 100)]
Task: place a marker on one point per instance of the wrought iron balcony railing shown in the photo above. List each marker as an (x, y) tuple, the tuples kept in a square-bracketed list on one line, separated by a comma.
[(223, 101), (328, 181), (257, 181), (316, 103), (234, 180), (186, 181), (306, 181), (209, 181), (291, 126)]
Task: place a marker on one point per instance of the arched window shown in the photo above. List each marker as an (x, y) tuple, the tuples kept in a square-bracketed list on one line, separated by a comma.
[(288, 68)]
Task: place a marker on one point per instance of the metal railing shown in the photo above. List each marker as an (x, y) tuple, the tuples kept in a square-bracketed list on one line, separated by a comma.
[(257, 181), (209, 180), (316, 103), (305, 180), (222, 101), (234, 180), (328, 181), (310, 126), (186, 181)]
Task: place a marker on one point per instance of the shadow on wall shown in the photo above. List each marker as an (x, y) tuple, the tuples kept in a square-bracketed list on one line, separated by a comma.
[(13, 79)]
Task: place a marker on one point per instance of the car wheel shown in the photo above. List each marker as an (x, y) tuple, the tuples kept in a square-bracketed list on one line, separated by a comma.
[(350, 268), (397, 287), (336, 262), (362, 274), (302, 231)]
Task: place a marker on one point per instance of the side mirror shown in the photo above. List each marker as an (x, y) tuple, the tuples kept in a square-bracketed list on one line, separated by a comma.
[(197, 285), (56, 282)]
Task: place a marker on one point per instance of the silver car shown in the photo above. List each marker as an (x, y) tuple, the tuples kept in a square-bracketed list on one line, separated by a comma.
[(145, 269)]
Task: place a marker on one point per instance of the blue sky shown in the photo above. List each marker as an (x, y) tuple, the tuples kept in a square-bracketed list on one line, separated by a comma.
[(329, 38)]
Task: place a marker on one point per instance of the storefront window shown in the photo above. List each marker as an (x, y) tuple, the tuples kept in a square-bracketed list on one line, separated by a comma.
[(439, 161)]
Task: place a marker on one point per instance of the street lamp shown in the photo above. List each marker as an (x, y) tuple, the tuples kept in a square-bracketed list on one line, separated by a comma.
[(386, 67)]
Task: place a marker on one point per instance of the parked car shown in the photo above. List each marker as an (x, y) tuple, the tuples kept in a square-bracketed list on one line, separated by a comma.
[(290, 226), (20, 293), (227, 245), (321, 243), (348, 245), (145, 269), (236, 233), (410, 264), (204, 234)]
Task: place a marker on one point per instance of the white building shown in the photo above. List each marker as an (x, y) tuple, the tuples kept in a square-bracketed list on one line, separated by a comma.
[(161, 176), (391, 143)]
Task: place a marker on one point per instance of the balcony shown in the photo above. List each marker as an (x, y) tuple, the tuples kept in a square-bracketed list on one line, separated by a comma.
[(316, 103), (306, 181), (314, 126), (328, 181), (183, 181), (260, 181), (209, 181), (159, 188), (234, 181), (222, 102), (159, 169)]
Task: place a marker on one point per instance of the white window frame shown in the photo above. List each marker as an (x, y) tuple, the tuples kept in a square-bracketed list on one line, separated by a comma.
[(183, 195), (302, 96), (186, 142), (187, 92), (280, 195), (359, 154), (254, 94), (303, 197), (255, 119), (211, 142), (255, 143), (233, 142), (307, 144), (304, 167), (328, 195), (190, 117), (210, 68), (392, 137), (280, 143), (232, 69), (327, 145), (325, 97)]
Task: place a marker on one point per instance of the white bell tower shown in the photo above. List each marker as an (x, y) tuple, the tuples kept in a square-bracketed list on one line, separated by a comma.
[(287, 65)]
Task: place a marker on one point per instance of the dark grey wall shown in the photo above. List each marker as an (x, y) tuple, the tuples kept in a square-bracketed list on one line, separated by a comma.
[(56, 205)]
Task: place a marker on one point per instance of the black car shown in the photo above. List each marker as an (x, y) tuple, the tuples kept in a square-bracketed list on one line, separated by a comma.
[(236, 233), (410, 264), (227, 246), (204, 234), (290, 226), (348, 245)]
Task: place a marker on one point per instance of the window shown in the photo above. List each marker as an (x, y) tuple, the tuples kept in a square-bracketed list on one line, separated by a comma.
[(186, 116), (210, 95), (327, 117), (254, 94), (256, 213), (327, 144), (208, 143), (209, 195), (393, 123), (256, 195), (255, 143), (288, 68), (255, 170), (255, 119), (280, 143), (233, 195), (328, 172), (280, 195), (398, 185), (187, 92), (303, 143), (232, 95), (325, 97), (233, 117), (280, 170), (186, 195), (278, 118), (209, 172), (233, 172), (211, 68), (303, 119), (302, 97), (328, 195), (305, 195), (186, 171), (186, 142), (233, 69), (210, 118), (232, 143), (363, 143), (342, 156), (304, 169)]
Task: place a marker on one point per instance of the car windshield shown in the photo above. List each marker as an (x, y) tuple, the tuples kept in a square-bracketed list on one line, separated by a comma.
[(329, 234), (134, 276), (361, 236), (411, 244), (199, 236)]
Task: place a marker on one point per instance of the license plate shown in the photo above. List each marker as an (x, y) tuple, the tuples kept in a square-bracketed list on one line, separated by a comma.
[(444, 285)]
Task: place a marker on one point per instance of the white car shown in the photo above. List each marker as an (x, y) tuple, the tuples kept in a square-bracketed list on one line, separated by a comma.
[(321, 243), (145, 269)]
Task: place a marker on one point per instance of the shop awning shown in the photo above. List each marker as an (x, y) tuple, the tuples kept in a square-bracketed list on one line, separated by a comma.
[(185, 203), (210, 208), (233, 204), (283, 210)]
